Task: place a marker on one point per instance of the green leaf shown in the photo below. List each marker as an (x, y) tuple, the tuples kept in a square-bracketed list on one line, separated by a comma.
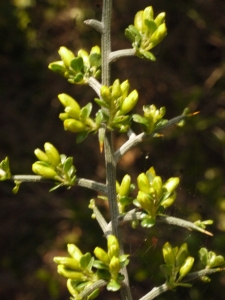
[(78, 78), (100, 265), (85, 111), (148, 222), (151, 25), (103, 274), (113, 286), (67, 164), (16, 187), (85, 260), (95, 60), (148, 55), (139, 119), (101, 102), (77, 64), (81, 136)]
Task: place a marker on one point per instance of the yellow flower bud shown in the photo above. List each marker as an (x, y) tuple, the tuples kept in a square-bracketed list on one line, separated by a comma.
[(68, 262), (124, 188), (71, 274), (138, 20), (74, 125), (74, 251), (101, 255), (43, 170), (82, 53), (171, 184), (186, 267), (160, 18), (143, 183), (72, 107), (71, 288), (41, 155), (129, 102), (158, 35), (114, 267), (113, 246), (66, 56), (53, 154)]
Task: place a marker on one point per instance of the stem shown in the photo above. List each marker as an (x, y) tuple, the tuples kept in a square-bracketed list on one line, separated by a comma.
[(135, 140), (108, 145), (113, 56), (106, 41)]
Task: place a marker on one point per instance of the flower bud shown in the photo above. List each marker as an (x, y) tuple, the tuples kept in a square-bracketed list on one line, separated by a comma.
[(105, 94), (95, 49), (125, 86), (143, 183), (82, 53), (158, 35), (160, 19), (43, 170), (64, 116), (113, 246), (114, 267), (138, 20), (171, 184), (168, 201), (146, 202), (68, 262), (58, 67), (41, 155), (157, 185), (129, 102), (101, 255), (124, 188), (74, 125), (168, 254), (72, 107), (71, 274), (186, 267), (148, 13), (66, 56), (181, 255), (53, 154), (116, 90), (74, 251)]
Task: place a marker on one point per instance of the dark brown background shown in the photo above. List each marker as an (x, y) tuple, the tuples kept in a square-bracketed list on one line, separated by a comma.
[(36, 225)]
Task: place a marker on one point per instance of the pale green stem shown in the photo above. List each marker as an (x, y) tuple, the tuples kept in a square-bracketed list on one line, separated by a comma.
[(108, 145), (134, 140), (133, 215), (113, 56)]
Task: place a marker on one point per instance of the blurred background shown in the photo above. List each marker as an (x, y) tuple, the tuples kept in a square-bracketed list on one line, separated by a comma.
[(189, 72)]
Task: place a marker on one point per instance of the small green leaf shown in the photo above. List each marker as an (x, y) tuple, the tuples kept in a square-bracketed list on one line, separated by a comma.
[(148, 55), (77, 64), (16, 187), (151, 25), (85, 111), (81, 136), (95, 60), (67, 164), (148, 222), (78, 78), (139, 119), (85, 260), (113, 286), (101, 102)]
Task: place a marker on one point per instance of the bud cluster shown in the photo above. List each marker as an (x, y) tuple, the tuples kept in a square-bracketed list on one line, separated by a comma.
[(147, 32), (5, 169), (152, 119), (54, 166), (154, 196), (78, 270), (78, 119), (78, 69), (118, 103), (177, 265), (110, 263), (123, 190)]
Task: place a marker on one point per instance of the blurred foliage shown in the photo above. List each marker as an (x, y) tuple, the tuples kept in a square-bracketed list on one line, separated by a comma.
[(189, 71)]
